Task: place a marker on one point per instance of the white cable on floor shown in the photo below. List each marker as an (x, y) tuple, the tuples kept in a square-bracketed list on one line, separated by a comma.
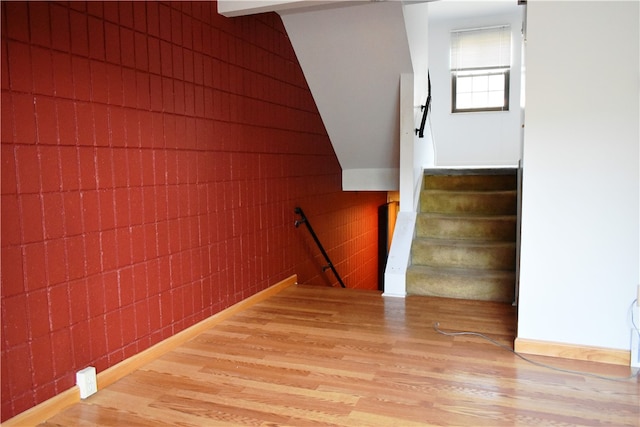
[(436, 327)]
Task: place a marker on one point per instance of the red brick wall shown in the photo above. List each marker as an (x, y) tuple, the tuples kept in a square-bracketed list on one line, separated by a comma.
[(152, 157)]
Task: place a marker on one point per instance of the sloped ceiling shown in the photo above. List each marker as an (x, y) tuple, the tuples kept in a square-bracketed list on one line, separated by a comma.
[(352, 54), (352, 58)]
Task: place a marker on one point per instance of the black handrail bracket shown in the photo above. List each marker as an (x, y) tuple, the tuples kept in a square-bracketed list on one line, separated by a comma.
[(425, 110)]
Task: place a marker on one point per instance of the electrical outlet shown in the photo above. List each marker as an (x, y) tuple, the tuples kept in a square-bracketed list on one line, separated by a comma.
[(87, 382)]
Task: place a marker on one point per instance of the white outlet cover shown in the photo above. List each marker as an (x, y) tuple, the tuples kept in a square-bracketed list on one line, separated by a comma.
[(87, 382)]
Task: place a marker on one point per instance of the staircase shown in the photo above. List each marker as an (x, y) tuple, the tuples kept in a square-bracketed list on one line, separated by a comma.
[(465, 243)]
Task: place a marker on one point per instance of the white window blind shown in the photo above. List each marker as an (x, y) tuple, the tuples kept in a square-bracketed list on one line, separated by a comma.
[(481, 48)]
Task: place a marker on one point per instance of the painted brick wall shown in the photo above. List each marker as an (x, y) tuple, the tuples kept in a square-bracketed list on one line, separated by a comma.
[(152, 157)]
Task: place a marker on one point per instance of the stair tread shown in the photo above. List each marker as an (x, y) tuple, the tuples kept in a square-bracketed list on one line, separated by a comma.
[(465, 242), (467, 216), (479, 202), (467, 192), (458, 271), (470, 171)]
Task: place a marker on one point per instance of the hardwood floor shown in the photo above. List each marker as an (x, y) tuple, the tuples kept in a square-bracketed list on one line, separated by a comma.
[(327, 356)]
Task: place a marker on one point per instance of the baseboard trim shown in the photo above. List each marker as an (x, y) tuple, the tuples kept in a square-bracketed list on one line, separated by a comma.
[(573, 351), (47, 409)]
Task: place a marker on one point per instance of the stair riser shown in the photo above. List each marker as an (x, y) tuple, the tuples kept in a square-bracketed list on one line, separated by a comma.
[(470, 182), (484, 289), (488, 229), (501, 257), (499, 203)]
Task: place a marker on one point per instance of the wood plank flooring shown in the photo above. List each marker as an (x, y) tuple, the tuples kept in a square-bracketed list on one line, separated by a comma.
[(312, 356)]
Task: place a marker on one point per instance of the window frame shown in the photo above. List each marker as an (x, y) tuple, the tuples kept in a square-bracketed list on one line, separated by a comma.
[(487, 71), (482, 52)]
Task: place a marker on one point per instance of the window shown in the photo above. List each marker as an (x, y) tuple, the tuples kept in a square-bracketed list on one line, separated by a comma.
[(480, 63)]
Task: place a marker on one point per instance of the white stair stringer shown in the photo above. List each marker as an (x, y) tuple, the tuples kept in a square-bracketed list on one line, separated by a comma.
[(395, 274)]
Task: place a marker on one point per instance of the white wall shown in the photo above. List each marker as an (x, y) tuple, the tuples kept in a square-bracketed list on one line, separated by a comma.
[(421, 153), (472, 139), (352, 58), (580, 231)]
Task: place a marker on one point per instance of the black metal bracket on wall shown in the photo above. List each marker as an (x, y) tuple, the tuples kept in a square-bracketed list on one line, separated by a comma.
[(425, 110), (303, 220)]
